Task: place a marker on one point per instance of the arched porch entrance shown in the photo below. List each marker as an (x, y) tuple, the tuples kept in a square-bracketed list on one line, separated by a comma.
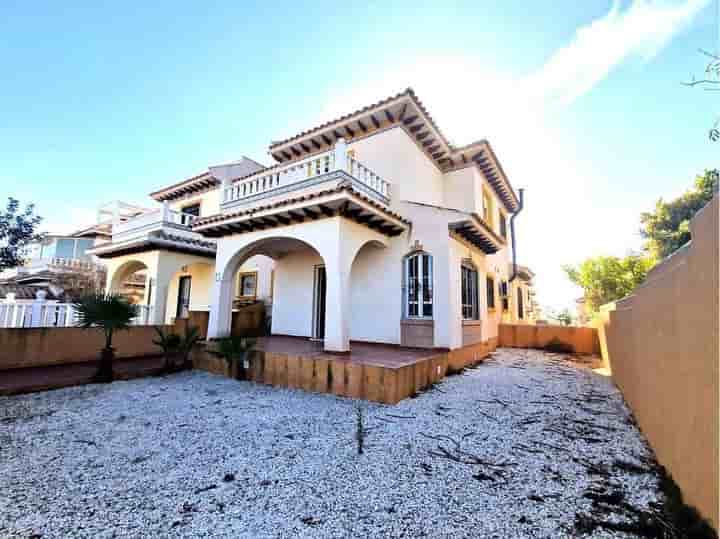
[(312, 278)]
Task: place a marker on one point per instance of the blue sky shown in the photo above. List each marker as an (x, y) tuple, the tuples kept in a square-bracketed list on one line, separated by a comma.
[(582, 101)]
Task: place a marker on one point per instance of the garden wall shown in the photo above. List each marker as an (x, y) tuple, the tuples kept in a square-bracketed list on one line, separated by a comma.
[(35, 347), (661, 344), (584, 340)]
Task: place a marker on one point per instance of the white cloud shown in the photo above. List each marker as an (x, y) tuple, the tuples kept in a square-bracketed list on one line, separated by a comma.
[(563, 221), (641, 30)]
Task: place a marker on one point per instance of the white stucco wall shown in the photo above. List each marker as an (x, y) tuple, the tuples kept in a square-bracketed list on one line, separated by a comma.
[(396, 157), (293, 300), (200, 284), (209, 202)]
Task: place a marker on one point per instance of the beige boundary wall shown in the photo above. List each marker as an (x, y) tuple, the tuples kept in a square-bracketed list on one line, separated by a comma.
[(584, 340), (661, 344), (37, 347)]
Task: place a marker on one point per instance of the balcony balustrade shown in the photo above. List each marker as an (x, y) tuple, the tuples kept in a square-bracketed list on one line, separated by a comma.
[(314, 170)]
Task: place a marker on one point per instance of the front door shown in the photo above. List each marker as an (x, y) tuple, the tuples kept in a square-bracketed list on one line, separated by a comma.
[(319, 303), (183, 302)]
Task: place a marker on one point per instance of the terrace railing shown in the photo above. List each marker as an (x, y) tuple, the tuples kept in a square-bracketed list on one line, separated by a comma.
[(296, 175), (40, 313), (173, 221)]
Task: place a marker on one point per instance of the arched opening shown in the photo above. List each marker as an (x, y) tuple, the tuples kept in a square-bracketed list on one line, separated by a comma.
[(284, 273), (374, 301), (130, 280)]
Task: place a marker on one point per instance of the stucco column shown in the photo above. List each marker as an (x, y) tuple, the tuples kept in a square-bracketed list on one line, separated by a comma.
[(220, 308), (337, 307), (337, 252)]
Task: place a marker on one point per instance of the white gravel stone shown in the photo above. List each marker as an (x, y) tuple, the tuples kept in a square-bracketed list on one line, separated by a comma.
[(148, 458)]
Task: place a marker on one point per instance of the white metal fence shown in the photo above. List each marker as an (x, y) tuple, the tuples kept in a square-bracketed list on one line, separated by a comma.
[(39, 313)]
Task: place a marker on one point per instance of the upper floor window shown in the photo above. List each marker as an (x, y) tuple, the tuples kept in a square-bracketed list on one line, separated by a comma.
[(503, 225), (469, 283), (487, 207), (490, 284), (418, 285), (193, 209)]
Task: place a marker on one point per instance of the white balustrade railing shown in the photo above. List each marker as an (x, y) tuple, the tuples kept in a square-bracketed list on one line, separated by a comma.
[(39, 313), (294, 173), (368, 177), (153, 220)]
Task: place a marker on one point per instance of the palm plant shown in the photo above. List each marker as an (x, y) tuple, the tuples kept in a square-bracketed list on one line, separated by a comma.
[(189, 340), (171, 345), (111, 313), (236, 352)]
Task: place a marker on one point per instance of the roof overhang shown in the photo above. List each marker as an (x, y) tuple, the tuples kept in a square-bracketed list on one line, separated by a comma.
[(196, 184), (475, 231), (342, 201), (407, 111), (156, 242)]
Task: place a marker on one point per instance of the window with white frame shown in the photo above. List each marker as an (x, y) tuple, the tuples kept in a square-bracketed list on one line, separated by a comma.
[(469, 285), (418, 286)]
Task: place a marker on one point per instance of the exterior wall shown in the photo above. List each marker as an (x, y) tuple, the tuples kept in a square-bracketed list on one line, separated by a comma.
[(209, 202), (202, 276), (162, 267), (460, 190), (34, 347), (413, 176), (661, 344), (293, 301)]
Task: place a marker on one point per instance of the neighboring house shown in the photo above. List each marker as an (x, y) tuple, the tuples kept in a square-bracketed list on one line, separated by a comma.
[(371, 227), (521, 295), (63, 263)]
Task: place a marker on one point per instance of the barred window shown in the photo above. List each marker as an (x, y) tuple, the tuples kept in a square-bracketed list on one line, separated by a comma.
[(469, 292), (418, 286), (490, 293)]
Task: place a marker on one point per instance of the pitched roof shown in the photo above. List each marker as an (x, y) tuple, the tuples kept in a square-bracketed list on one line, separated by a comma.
[(406, 111)]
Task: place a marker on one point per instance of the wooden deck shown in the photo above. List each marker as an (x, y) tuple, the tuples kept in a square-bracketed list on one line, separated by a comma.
[(375, 372)]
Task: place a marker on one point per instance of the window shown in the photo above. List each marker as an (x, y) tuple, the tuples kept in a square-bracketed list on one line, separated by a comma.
[(193, 209), (469, 292), (521, 312), (418, 285), (490, 293), (65, 248), (504, 295), (248, 284), (503, 225), (183, 302), (487, 207), (81, 246)]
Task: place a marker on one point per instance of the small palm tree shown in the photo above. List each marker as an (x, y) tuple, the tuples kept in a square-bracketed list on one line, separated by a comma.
[(171, 345), (235, 351), (111, 313), (188, 342)]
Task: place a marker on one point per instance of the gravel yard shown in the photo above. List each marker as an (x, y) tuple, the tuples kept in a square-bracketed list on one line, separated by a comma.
[(523, 445)]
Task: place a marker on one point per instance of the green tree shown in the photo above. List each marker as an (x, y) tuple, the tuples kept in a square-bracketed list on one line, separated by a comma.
[(667, 228), (608, 278), (17, 230), (563, 317), (111, 313)]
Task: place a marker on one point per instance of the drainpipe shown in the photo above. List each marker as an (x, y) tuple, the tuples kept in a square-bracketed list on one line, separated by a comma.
[(521, 193)]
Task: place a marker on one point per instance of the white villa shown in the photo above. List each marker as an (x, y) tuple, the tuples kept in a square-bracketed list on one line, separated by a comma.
[(371, 227)]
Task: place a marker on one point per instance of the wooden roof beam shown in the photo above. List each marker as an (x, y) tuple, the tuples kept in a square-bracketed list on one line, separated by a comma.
[(375, 121), (389, 115), (362, 126), (326, 139)]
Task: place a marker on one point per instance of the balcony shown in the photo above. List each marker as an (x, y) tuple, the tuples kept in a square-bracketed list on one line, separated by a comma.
[(160, 220), (321, 171), (163, 229)]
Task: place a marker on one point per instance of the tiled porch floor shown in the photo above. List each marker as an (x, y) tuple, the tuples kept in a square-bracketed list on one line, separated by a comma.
[(381, 355)]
